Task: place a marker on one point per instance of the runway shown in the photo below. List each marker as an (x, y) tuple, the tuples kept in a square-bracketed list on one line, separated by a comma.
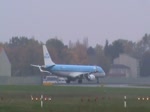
[(105, 85)]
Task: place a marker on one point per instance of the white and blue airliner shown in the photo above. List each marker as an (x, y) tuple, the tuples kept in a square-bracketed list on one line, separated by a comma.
[(70, 72)]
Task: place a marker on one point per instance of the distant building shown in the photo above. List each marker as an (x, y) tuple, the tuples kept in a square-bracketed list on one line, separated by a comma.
[(118, 70), (125, 65), (5, 66)]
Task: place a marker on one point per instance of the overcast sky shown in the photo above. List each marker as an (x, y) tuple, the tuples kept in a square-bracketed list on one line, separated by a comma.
[(75, 19)]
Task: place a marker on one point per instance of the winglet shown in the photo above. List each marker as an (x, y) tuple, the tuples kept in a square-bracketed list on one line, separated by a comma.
[(47, 59)]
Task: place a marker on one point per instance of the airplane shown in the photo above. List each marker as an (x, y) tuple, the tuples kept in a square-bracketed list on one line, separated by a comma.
[(70, 72)]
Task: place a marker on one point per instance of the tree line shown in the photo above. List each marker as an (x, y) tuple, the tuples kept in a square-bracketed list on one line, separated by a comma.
[(23, 51)]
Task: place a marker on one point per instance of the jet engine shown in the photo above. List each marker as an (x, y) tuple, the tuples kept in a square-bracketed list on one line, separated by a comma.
[(91, 77)]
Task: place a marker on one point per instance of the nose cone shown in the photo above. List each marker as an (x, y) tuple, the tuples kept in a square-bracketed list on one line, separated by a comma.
[(101, 72)]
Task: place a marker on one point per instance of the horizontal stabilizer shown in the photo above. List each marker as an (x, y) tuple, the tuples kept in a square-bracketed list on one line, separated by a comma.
[(35, 65), (40, 68)]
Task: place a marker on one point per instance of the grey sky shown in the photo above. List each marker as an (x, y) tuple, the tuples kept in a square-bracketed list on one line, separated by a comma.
[(75, 19)]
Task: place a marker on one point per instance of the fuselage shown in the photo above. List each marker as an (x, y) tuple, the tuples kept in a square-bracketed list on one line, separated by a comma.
[(70, 70)]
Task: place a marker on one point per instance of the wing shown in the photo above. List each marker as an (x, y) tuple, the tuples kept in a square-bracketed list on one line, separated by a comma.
[(80, 74), (75, 74)]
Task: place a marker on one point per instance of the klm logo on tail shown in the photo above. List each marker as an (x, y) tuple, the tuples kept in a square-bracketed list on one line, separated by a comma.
[(47, 58), (46, 55)]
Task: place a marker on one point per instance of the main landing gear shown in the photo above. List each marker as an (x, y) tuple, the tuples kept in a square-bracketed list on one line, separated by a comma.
[(97, 80)]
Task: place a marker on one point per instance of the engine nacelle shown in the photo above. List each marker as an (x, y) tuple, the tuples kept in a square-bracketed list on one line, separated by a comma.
[(91, 77)]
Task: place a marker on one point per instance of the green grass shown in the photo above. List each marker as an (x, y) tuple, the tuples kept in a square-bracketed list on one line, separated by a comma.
[(72, 99)]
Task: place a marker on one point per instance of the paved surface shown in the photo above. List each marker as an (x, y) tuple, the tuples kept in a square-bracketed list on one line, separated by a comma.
[(106, 85)]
